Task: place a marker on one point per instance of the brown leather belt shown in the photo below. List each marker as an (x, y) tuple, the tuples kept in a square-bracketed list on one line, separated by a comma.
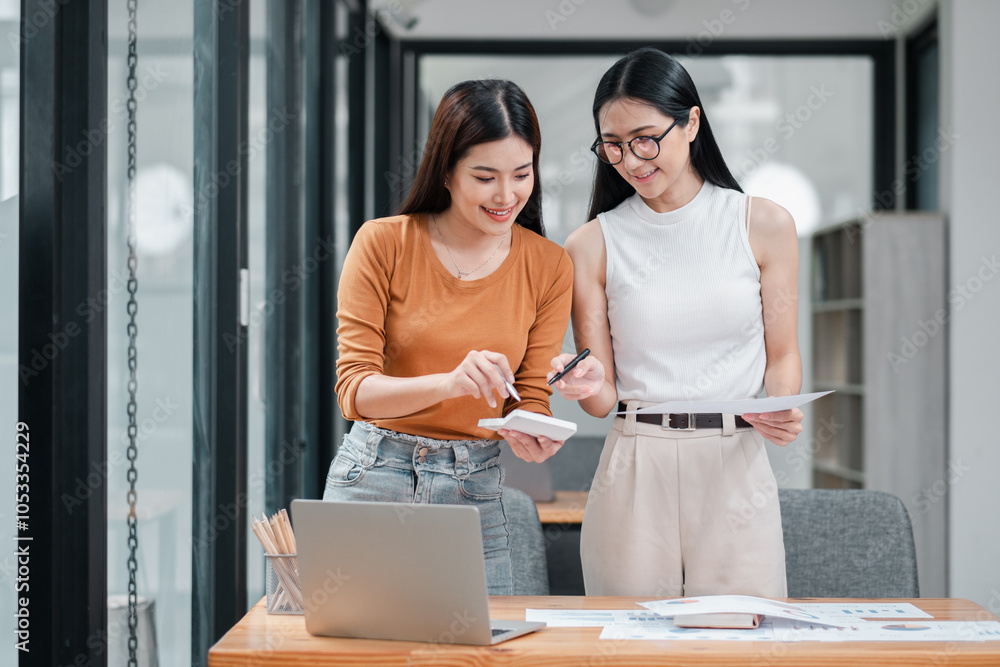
[(683, 421)]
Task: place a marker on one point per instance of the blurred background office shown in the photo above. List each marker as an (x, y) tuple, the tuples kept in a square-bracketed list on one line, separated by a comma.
[(268, 131)]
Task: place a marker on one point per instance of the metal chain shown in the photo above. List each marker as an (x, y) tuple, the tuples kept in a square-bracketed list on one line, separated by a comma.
[(132, 308)]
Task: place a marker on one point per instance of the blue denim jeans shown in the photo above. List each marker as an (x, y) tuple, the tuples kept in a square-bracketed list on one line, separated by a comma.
[(378, 465)]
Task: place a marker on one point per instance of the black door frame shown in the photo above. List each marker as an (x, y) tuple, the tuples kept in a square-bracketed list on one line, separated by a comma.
[(403, 82), (219, 447), (62, 335)]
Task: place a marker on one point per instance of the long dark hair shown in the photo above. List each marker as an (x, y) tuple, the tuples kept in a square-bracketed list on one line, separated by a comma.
[(651, 76), (472, 113)]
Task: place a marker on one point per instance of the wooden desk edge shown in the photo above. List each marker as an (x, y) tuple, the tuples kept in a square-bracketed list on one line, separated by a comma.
[(274, 640), (566, 508)]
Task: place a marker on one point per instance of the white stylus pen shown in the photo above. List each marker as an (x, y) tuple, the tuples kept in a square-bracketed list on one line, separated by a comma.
[(510, 387)]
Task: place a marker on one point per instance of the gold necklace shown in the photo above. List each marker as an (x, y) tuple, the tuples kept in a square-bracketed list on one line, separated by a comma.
[(461, 273)]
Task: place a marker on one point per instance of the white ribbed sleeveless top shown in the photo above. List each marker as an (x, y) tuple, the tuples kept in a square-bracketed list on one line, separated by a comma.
[(684, 305)]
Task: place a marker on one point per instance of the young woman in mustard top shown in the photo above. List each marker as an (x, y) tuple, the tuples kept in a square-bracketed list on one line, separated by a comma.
[(441, 304)]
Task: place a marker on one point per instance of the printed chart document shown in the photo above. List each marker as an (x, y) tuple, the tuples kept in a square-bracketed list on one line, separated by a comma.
[(532, 423), (599, 618), (841, 621), (747, 405), (582, 618), (868, 610), (787, 630)]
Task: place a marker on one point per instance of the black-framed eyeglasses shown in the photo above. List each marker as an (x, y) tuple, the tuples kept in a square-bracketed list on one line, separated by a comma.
[(644, 148)]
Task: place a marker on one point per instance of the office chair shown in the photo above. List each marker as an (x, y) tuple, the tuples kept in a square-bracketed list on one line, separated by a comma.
[(527, 544), (847, 543)]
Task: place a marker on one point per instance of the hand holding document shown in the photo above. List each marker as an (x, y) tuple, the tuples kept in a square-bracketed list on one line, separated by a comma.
[(738, 407)]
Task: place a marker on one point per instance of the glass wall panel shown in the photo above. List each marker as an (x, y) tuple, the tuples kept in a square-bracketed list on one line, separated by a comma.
[(256, 190), (164, 321), (10, 13)]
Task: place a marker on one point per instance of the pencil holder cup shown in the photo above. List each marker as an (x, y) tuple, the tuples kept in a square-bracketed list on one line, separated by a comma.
[(284, 593)]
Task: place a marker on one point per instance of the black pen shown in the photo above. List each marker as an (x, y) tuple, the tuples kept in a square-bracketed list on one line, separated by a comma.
[(570, 366)]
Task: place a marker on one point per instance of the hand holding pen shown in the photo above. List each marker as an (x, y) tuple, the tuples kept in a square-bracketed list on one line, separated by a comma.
[(570, 366), (577, 377), (480, 374)]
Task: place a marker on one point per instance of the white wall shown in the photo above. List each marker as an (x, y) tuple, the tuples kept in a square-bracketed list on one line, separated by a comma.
[(697, 20), (970, 96)]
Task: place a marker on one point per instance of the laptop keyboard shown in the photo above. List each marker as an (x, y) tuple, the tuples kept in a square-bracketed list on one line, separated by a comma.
[(499, 631)]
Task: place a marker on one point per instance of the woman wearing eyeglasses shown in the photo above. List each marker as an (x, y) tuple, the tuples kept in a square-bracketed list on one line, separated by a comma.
[(685, 288)]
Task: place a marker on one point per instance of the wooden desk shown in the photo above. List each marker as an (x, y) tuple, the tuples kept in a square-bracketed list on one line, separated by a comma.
[(265, 640), (566, 508)]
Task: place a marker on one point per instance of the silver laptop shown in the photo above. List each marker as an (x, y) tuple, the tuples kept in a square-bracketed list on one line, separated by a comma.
[(396, 571)]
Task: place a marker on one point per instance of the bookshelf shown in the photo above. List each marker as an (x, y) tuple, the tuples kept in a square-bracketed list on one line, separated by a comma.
[(879, 330)]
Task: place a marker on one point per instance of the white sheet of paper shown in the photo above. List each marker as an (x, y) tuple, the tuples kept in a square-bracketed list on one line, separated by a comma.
[(590, 618), (788, 630), (880, 610), (743, 604), (899, 631), (672, 632), (744, 406)]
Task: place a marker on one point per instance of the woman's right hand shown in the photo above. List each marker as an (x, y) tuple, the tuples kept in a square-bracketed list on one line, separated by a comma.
[(583, 381), (479, 374)]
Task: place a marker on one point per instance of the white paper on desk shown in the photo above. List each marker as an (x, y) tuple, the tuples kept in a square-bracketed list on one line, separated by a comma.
[(898, 631), (743, 604), (880, 610), (671, 632), (739, 407), (590, 618)]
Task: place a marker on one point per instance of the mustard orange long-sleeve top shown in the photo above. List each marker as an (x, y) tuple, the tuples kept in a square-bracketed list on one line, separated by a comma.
[(402, 313)]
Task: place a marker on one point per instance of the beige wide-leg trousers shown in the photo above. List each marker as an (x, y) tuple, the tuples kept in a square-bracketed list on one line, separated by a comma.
[(683, 513)]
